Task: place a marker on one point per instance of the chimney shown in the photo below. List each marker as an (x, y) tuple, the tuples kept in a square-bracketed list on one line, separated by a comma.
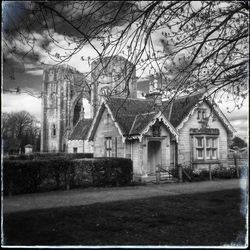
[(154, 93), (156, 98)]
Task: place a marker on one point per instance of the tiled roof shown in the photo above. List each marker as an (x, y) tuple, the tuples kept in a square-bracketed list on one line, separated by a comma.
[(125, 111), (132, 115), (81, 130), (180, 108), (140, 122)]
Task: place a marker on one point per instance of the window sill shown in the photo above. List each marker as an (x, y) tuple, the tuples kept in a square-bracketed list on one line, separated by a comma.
[(205, 161)]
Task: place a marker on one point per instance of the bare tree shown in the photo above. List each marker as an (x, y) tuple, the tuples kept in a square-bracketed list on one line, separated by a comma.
[(19, 129), (189, 45)]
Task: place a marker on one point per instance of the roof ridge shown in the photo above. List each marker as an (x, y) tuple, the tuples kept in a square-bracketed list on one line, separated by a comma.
[(186, 96), (148, 113), (130, 98)]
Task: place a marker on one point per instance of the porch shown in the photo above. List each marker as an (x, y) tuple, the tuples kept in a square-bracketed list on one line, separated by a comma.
[(159, 157)]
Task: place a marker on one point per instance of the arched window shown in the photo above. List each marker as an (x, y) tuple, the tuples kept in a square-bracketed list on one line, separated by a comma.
[(53, 130), (77, 111)]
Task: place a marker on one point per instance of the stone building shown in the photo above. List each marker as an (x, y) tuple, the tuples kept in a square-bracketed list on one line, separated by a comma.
[(188, 131), (68, 95), (62, 94), (77, 118)]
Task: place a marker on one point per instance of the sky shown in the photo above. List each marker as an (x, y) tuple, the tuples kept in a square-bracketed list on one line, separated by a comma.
[(28, 76)]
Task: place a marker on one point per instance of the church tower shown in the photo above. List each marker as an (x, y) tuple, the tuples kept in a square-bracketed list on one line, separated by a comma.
[(63, 90), (112, 76), (68, 96)]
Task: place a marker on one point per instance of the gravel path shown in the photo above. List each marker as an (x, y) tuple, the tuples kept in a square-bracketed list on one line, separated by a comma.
[(92, 195)]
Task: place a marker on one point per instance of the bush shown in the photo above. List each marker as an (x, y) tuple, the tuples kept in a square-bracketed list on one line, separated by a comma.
[(29, 176), (112, 171), (224, 173), (200, 174), (49, 156)]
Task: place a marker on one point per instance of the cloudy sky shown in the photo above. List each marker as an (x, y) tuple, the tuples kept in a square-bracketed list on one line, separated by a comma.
[(27, 75)]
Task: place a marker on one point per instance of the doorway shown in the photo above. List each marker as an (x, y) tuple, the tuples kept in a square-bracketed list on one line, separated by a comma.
[(154, 156)]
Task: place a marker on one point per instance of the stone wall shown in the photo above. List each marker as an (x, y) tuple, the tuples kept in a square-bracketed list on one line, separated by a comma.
[(186, 149), (108, 129), (61, 93)]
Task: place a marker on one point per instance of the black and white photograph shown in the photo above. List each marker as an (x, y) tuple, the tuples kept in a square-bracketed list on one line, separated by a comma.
[(125, 124)]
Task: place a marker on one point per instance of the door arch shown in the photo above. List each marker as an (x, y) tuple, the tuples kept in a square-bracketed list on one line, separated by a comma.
[(154, 155)]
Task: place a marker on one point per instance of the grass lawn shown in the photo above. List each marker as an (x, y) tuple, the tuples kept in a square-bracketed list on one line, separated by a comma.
[(210, 219)]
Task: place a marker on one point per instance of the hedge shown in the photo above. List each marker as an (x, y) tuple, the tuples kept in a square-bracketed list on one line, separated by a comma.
[(50, 156), (219, 172), (30, 176)]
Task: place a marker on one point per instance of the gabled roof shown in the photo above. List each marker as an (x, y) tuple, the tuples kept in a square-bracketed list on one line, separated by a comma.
[(81, 130), (124, 111), (181, 108), (221, 116), (140, 122), (132, 116)]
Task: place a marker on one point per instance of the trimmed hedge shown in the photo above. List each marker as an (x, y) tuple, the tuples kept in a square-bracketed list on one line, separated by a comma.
[(30, 176), (49, 156)]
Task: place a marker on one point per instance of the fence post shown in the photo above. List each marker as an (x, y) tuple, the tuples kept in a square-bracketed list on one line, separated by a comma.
[(157, 175), (210, 173), (180, 173)]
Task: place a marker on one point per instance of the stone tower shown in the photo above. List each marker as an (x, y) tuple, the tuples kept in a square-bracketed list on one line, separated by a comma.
[(114, 76), (63, 90)]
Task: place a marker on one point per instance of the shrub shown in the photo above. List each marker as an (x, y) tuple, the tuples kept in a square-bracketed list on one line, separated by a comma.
[(200, 174), (49, 156), (29, 176), (224, 173), (186, 170), (112, 171), (174, 172), (189, 171)]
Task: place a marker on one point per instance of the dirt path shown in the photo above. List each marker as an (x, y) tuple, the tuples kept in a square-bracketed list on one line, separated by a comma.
[(92, 195)]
